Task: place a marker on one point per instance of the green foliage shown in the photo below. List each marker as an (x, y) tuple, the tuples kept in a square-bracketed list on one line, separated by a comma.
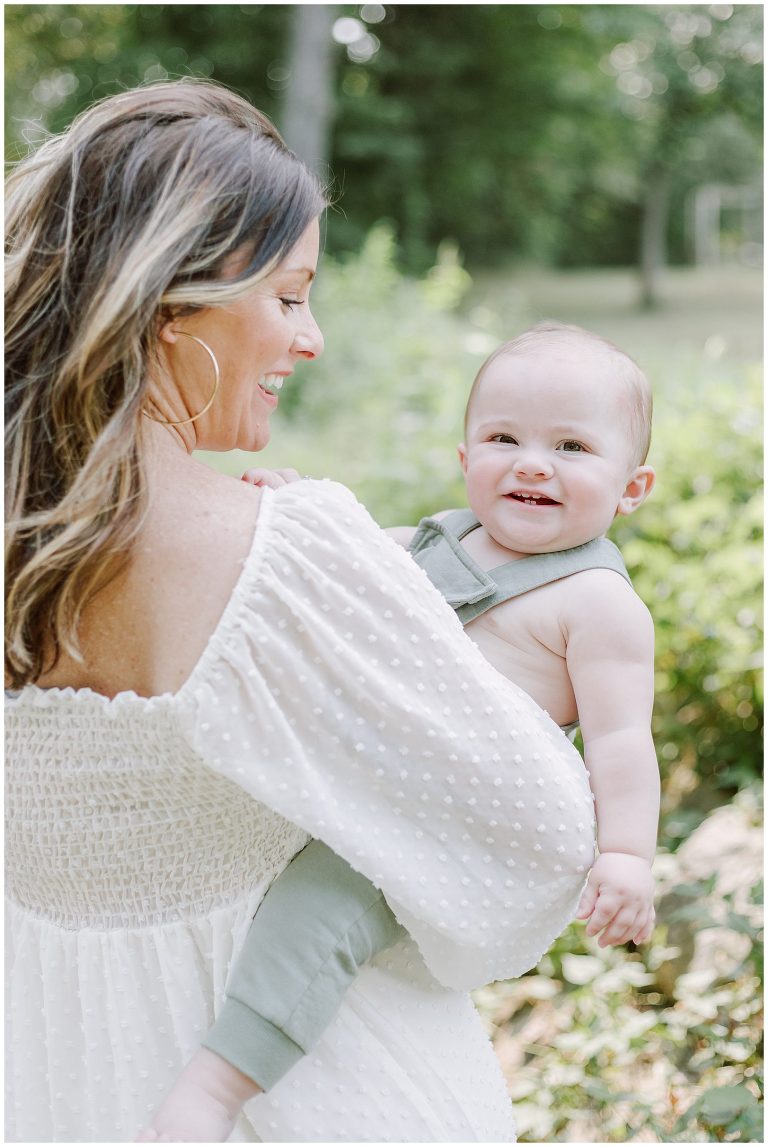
[(596, 1051), (382, 409), (695, 554), (597, 1045), (382, 412), (519, 130)]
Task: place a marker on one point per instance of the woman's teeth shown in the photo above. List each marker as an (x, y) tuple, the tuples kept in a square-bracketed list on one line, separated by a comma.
[(272, 383)]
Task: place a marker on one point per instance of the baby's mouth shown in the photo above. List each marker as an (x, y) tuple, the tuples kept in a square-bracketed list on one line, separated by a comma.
[(272, 383), (529, 499)]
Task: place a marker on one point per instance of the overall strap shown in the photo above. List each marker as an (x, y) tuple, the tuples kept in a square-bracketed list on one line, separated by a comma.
[(436, 546)]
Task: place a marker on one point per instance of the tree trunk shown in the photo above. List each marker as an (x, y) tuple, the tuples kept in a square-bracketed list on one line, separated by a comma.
[(653, 234), (308, 109)]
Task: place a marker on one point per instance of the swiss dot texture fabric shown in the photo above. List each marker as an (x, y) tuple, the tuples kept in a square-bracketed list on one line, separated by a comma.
[(337, 697)]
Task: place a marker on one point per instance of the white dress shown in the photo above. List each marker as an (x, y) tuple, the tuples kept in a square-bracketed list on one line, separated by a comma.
[(337, 697)]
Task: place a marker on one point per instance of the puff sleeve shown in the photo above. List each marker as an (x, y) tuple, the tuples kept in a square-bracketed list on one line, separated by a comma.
[(340, 690)]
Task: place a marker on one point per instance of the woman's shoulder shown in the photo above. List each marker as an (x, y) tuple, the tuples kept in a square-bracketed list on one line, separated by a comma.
[(241, 531)]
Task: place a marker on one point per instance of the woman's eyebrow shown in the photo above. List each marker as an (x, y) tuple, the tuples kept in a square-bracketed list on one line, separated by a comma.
[(287, 270)]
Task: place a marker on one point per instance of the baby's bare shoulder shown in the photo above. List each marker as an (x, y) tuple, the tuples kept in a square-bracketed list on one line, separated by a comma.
[(602, 590), (601, 605), (404, 534)]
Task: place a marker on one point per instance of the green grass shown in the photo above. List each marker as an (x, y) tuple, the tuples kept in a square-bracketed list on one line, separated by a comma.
[(715, 313)]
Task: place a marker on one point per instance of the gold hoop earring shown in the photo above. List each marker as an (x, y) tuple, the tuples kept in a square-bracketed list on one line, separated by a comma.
[(214, 392)]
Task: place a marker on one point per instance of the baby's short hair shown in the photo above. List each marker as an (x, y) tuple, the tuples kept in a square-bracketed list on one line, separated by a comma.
[(548, 333)]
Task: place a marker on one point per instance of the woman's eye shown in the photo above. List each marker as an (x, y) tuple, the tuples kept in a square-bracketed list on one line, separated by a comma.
[(505, 438), (571, 447), (291, 302)]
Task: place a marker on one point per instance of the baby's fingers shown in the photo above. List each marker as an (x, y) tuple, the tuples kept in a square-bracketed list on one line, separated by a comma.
[(645, 930), (606, 907), (588, 900), (621, 929), (259, 476)]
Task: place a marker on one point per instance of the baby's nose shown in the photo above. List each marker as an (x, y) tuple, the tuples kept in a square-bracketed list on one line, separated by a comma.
[(533, 464)]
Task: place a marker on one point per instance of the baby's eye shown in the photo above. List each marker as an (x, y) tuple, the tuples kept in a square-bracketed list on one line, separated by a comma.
[(507, 439), (571, 447)]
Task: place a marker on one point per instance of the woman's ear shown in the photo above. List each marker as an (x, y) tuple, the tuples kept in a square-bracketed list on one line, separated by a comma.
[(167, 332), (637, 489)]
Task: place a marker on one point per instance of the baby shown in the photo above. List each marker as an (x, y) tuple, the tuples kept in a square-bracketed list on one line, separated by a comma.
[(557, 431)]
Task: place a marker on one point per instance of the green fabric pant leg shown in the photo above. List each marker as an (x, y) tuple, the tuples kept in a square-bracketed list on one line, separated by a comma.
[(318, 924)]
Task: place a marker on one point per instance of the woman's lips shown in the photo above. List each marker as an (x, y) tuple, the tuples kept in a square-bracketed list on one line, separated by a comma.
[(269, 386), (272, 383), (267, 396)]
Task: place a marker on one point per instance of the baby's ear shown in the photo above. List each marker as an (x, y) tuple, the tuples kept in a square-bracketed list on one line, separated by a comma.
[(462, 452), (637, 489)]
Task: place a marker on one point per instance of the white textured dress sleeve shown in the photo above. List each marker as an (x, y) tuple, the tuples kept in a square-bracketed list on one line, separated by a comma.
[(340, 690)]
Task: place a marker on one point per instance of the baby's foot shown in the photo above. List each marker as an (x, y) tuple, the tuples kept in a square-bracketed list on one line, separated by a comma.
[(203, 1104)]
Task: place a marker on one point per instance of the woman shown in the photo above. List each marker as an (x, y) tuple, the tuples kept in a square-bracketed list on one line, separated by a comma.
[(204, 672)]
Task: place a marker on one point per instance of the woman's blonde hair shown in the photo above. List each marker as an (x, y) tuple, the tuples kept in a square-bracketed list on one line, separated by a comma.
[(123, 221)]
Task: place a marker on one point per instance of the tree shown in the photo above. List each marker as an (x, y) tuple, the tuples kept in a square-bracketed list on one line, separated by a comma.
[(678, 70), (309, 102), (566, 134)]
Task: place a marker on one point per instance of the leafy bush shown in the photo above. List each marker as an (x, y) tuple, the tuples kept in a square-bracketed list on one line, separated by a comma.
[(602, 1045), (695, 554), (382, 411), (597, 1045)]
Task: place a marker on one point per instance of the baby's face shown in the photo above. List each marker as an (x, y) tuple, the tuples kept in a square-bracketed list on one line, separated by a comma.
[(548, 458)]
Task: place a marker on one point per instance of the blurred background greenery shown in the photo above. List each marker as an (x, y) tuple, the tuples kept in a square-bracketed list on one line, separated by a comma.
[(492, 165)]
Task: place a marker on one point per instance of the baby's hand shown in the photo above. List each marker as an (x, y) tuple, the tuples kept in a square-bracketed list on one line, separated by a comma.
[(274, 478), (618, 899)]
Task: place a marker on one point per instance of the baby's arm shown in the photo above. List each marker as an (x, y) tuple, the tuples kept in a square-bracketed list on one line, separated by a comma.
[(318, 924), (609, 642)]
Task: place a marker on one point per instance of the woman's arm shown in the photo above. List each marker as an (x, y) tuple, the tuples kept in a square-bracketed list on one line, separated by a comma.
[(341, 692)]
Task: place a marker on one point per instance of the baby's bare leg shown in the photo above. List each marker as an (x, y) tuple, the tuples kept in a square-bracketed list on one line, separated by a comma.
[(203, 1103)]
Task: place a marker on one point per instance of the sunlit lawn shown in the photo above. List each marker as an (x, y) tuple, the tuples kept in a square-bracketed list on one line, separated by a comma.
[(717, 308)]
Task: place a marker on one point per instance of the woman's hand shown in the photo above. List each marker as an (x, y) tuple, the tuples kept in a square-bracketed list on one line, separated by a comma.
[(258, 476), (618, 899)]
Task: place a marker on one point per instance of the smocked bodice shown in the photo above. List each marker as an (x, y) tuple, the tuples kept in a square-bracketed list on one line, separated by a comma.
[(339, 691), (114, 822)]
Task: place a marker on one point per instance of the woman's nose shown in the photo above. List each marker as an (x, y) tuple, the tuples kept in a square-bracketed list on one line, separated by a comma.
[(309, 341)]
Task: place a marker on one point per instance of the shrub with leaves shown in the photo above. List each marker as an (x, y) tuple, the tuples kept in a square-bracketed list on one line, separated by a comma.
[(603, 1045), (695, 554), (660, 1044), (382, 411)]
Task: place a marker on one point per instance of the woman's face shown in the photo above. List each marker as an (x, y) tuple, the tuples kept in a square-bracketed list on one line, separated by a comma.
[(257, 341)]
